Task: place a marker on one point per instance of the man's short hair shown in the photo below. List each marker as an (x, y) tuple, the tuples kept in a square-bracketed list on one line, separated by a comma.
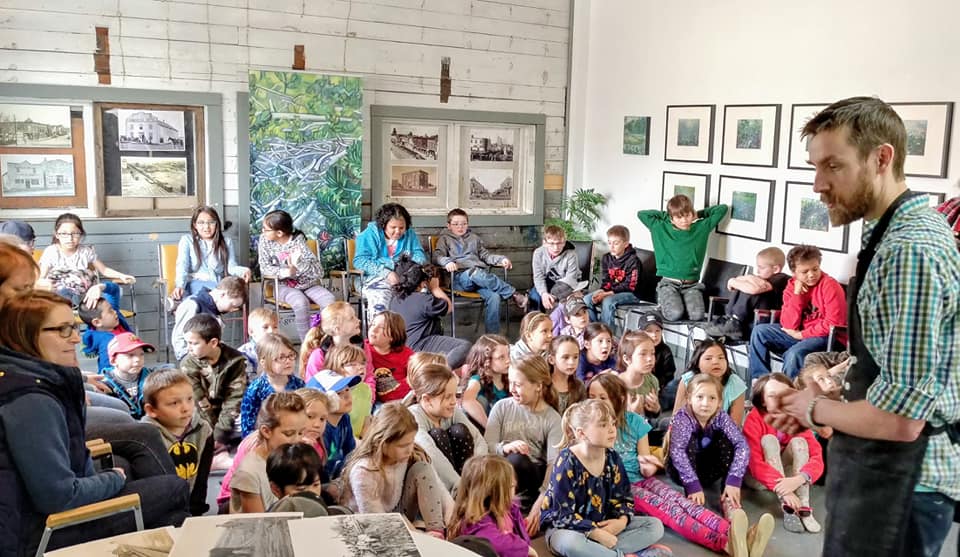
[(458, 212), (871, 123), (161, 379), (87, 315), (234, 287), (772, 255), (205, 326), (679, 205), (803, 253), (554, 231), (619, 231)]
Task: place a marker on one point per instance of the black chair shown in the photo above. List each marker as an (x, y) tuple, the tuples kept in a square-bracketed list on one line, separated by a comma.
[(647, 290), (584, 249)]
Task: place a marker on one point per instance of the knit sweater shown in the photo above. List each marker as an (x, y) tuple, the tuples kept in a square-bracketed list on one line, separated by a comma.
[(687, 436), (679, 253), (276, 258)]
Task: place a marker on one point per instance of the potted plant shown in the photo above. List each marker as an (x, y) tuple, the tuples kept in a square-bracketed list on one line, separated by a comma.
[(579, 213)]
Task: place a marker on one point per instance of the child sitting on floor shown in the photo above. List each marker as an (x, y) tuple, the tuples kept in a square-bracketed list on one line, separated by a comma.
[(598, 354), (277, 358), (485, 377), (338, 326), (261, 322), (710, 357), (536, 332), (563, 359), (387, 355)]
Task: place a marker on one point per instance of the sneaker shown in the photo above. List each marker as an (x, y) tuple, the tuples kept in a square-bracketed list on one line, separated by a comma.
[(759, 535), (737, 534), (221, 462), (521, 300), (729, 327), (810, 523), (791, 521), (655, 550), (582, 286)]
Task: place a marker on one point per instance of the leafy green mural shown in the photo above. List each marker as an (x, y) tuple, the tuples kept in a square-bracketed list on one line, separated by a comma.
[(306, 155)]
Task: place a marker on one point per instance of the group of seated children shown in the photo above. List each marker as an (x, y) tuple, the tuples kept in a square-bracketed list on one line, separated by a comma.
[(495, 440)]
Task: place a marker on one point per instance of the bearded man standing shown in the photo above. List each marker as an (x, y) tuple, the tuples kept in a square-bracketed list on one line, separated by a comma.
[(894, 473)]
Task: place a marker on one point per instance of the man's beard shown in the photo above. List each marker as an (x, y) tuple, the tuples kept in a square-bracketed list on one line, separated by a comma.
[(846, 211)]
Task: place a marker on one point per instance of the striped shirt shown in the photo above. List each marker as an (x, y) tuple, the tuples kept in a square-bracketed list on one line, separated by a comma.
[(910, 309)]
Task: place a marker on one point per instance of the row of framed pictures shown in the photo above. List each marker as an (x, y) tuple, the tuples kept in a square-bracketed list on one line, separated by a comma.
[(751, 200), (751, 135)]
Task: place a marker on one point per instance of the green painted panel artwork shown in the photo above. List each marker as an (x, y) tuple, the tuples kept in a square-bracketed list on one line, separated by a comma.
[(306, 156)]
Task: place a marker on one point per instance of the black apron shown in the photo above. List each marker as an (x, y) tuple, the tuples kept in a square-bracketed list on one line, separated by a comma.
[(871, 482)]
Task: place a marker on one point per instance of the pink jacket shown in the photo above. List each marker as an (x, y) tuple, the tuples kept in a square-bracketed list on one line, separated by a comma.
[(754, 428)]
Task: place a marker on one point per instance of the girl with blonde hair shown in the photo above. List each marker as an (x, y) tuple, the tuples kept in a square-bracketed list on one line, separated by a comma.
[(536, 332)]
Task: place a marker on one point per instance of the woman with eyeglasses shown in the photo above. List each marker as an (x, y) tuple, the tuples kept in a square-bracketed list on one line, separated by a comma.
[(45, 467), (205, 256), (74, 270)]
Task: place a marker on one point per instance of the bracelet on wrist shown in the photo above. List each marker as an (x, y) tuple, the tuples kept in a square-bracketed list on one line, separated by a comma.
[(813, 403)]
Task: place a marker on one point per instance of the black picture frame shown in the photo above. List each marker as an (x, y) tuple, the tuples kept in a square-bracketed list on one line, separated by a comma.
[(769, 148), (927, 166), (795, 161), (825, 240), (673, 150), (699, 202), (767, 228)]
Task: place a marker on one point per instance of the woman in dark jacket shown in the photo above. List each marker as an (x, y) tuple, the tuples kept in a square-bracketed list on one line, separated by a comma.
[(45, 467)]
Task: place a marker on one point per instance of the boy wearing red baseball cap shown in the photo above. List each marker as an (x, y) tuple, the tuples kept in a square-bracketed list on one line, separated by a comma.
[(127, 373)]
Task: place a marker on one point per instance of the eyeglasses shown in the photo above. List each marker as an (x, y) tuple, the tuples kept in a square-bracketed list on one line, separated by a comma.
[(285, 358), (206, 223), (69, 234), (66, 330)]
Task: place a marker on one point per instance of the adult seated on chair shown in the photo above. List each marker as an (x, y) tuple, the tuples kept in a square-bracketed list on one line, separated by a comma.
[(379, 247), (813, 301), (45, 466), (422, 311), (205, 256)]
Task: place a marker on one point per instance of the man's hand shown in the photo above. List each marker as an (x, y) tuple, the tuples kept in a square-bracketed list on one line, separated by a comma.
[(793, 333), (601, 295), (787, 411), (246, 275), (450, 267)]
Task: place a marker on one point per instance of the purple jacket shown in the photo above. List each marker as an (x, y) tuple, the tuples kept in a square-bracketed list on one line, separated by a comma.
[(513, 544), (687, 438)]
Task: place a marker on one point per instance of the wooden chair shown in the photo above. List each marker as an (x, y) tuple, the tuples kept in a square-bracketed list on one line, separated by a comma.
[(165, 283), (461, 298), (351, 281), (102, 455), (269, 286)]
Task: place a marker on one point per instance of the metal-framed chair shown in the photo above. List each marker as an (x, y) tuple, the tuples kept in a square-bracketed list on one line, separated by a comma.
[(270, 285), (462, 298), (351, 281)]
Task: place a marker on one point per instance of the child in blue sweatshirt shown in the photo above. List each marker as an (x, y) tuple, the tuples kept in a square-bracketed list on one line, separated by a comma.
[(103, 324)]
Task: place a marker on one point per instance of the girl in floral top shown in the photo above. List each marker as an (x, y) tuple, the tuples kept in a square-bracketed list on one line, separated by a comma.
[(283, 252), (588, 508)]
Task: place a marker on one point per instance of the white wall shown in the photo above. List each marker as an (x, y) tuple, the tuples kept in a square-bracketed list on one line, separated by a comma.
[(642, 56), (505, 56)]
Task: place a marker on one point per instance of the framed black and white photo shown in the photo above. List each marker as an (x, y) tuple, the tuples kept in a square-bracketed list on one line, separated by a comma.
[(751, 134), (928, 137), (151, 158), (414, 143), (37, 176), (689, 135), (751, 207), (35, 125), (806, 220), (797, 154), (492, 144), (636, 135), (695, 186)]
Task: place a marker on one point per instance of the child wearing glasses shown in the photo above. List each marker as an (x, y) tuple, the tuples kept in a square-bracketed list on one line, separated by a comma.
[(74, 269), (277, 358), (205, 256)]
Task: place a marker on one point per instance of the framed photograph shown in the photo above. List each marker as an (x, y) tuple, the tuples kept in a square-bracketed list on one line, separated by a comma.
[(492, 144), (751, 134), (413, 181), (490, 185), (694, 186), (800, 114), (690, 133), (807, 221), (751, 207), (152, 158), (414, 143), (35, 125), (935, 198), (636, 135), (928, 137), (37, 176)]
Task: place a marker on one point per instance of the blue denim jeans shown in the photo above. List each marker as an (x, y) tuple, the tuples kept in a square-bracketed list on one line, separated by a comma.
[(641, 532), (770, 337), (930, 519), (491, 288), (608, 306)]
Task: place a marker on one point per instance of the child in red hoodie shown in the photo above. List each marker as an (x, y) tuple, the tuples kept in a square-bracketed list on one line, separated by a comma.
[(785, 464), (813, 301)]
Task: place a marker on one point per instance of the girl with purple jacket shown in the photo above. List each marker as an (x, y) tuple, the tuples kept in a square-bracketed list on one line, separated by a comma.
[(486, 507)]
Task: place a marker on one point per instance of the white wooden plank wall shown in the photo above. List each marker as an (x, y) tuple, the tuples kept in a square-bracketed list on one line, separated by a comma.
[(505, 56)]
